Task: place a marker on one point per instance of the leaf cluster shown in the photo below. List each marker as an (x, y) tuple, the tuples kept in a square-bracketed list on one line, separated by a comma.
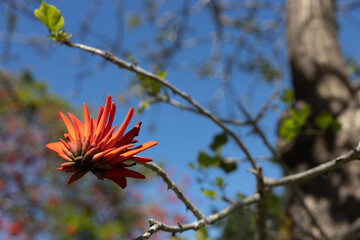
[(51, 17)]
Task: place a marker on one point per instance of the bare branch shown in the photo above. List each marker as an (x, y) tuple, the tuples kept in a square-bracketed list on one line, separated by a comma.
[(159, 226), (324, 168), (138, 70), (175, 188)]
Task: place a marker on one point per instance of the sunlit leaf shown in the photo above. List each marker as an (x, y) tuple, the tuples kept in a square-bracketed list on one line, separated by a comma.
[(50, 16), (219, 182), (209, 193), (291, 126)]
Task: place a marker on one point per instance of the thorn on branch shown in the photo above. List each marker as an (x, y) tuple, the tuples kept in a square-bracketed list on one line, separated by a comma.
[(180, 225)]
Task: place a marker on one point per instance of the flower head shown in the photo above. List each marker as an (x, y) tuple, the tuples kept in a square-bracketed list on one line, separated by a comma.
[(95, 146)]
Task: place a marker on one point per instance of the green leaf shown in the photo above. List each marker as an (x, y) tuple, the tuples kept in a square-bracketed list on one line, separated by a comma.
[(218, 141), (291, 126), (219, 182), (143, 105), (240, 196), (149, 85), (50, 16), (288, 96), (134, 21), (228, 166), (269, 73), (326, 121), (209, 193), (201, 234), (191, 165), (205, 160)]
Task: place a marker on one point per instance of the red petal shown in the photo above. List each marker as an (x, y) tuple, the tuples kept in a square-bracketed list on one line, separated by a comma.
[(56, 147), (86, 121), (129, 136), (141, 159), (111, 118), (116, 152), (74, 121), (65, 143), (106, 138), (76, 176), (101, 110), (122, 172), (68, 125), (121, 181), (117, 135), (104, 117), (126, 155)]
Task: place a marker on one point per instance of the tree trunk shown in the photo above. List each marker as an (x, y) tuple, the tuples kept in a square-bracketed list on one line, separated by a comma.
[(319, 79)]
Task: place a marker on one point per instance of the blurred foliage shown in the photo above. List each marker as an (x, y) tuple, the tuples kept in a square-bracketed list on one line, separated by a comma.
[(241, 224), (292, 125), (205, 160), (287, 97), (326, 121), (202, 234)]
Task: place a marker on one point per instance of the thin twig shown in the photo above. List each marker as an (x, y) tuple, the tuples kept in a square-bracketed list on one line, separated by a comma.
[(175, 188), (159, 226), (138, 70), (193, 110)]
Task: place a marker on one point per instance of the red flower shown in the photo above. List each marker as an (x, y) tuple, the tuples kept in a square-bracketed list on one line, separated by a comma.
[(94, 146)]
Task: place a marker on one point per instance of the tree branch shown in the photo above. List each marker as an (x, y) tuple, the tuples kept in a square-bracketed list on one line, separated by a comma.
[(352, 155), (159, 226), (175, 188)]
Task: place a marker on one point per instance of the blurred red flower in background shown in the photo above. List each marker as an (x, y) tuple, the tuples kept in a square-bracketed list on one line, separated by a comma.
[(94, 146)]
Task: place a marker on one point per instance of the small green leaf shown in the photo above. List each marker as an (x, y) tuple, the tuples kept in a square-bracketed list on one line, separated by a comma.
[(161, 74), (218, 141), (291, 126), (219, 182), (201, 234), (149, 85), (134, 21), (228, 166), (288, 96), (205, 160), (191, 165), (209, 193), (240, 196), (326, 121), (269, 73), (50, 16), (143, 105), (133, 61)]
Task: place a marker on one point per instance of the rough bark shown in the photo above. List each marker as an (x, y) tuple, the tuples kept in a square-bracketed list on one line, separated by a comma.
[(319, 79)]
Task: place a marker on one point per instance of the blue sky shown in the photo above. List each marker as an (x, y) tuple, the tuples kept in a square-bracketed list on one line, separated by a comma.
[(181, 135)]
